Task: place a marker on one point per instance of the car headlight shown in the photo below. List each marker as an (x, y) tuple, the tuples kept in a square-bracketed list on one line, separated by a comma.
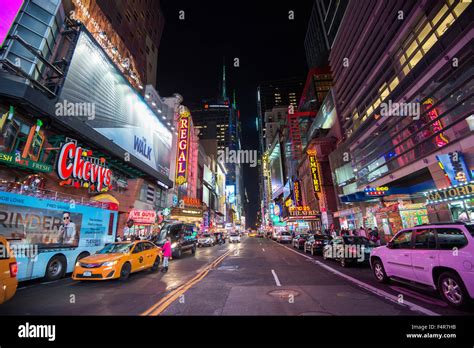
[(174, 245), (109, 263), (78, 264)]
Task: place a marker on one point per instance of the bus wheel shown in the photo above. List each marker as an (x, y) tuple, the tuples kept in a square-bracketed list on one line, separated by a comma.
[(56, 268)]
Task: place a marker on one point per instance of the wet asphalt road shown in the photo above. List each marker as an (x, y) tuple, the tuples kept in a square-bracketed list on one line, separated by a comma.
[(255, 277)]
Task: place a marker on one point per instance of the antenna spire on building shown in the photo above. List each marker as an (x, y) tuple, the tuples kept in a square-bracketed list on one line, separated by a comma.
[(224, 92)]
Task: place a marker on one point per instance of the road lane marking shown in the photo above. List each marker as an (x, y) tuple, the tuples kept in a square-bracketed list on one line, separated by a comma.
[(277, 281), (419, 297), (166, 301), (412, 306)]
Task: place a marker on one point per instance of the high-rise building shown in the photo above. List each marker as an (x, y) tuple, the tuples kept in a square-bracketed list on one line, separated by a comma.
[(276, 93), (406, 115), (217, 121), (140, 25), (323, 26)]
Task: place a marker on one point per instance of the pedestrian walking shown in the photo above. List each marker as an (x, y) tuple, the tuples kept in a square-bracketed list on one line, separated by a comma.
[(166, 254), (362, 232)]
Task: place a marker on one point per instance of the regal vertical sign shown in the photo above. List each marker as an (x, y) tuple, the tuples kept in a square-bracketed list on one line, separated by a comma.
[(183, 145)]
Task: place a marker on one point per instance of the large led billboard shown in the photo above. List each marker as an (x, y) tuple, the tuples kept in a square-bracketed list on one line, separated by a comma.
[(120, 113), (276, 170), (10, 9)]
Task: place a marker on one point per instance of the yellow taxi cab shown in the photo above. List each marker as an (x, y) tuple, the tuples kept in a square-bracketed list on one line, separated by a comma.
[(118, 260), (253, 233), (8, 272)]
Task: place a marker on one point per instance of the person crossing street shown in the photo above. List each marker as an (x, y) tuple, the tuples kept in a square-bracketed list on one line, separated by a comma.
[(166, 254)]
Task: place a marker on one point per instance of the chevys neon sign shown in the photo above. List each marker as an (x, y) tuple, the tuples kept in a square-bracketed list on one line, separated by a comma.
[(183, 144), (76, 167)]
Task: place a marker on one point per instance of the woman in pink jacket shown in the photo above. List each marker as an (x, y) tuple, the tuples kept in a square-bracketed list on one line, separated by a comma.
[(166, 254)]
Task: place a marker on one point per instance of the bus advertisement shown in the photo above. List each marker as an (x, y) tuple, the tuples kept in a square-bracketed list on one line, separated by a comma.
[(49, 236)]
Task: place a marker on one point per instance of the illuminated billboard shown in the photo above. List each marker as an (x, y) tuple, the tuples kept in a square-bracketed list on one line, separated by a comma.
[(276, 170), (10, 9), (230, 193), (120, 113)]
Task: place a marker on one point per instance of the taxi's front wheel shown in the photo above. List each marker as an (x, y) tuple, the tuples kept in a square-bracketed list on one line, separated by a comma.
[(125, 271)]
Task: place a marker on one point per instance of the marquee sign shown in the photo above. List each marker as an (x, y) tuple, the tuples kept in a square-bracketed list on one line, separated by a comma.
[(315, 171), (77, 167), (451, 193), (183, 146), (302, 213)]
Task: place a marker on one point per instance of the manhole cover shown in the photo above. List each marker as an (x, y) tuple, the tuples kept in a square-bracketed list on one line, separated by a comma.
[(284, 293), (353, 295)]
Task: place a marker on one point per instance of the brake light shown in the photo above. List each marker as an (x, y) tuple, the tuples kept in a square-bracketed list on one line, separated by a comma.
[(13, 269)]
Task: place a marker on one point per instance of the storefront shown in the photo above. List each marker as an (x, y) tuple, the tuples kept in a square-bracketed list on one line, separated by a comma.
[(302, 219), (350, 218), (454, 203), (188, 215), (144, 221), (413, 214), (389, 220)]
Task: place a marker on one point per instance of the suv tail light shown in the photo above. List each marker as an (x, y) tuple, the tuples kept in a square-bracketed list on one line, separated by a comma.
[(13, 269)]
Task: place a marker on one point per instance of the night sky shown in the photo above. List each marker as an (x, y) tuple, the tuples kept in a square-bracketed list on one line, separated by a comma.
[(259, 33)]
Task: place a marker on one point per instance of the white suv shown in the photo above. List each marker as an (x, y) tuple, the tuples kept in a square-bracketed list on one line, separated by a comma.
[(439, 256)]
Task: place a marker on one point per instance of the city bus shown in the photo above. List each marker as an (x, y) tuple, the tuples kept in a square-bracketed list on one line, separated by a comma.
[(48, 236)]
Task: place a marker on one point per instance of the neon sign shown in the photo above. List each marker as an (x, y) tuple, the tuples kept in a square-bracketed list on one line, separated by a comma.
[(297, 192), (376, 191), (441, 139), (314, 168), (183, 144), (78, 168)]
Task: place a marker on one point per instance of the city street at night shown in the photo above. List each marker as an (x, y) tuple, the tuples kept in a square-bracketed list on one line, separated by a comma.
[(210, 171), (255, 277)]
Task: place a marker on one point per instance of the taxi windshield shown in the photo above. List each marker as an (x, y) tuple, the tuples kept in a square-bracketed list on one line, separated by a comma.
[(116, 248)]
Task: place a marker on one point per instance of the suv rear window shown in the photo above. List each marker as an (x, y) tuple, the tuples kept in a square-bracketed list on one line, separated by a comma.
[(449, 238), (470, 228)]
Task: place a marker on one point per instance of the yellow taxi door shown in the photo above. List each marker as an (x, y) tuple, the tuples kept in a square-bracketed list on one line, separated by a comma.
[(150, 252), (138, 257)]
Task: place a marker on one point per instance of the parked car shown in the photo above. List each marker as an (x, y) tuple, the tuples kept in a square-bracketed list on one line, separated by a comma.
[(284, 237), (8, 272), (118, 260), (434, 256), (206, 239), (183, 238), (316, 243), (348, 249), (234, 237), (299, 240)]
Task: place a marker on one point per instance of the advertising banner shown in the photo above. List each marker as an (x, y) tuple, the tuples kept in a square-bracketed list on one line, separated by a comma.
[(41, 222), (142, 217), (10, 9), (119, 113)]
